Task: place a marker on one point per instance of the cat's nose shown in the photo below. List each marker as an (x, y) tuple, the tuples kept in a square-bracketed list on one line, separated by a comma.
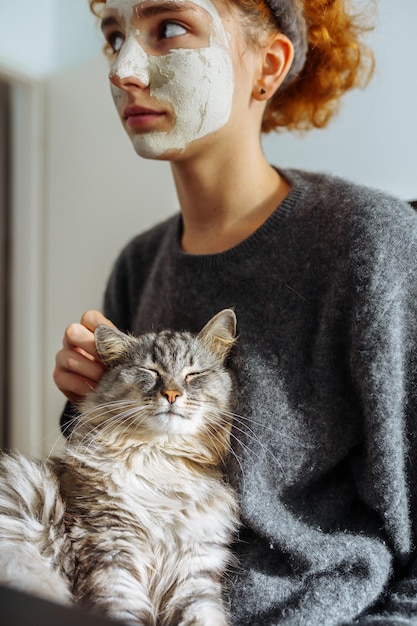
[(171, 395)]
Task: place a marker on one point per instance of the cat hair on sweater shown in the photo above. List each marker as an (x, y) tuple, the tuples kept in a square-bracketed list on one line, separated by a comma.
[(136, 520)]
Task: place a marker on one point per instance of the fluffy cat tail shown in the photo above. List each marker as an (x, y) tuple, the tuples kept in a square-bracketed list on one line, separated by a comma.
[(33, 545)]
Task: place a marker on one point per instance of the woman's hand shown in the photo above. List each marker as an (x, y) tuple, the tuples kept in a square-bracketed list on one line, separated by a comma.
[(78, 368)]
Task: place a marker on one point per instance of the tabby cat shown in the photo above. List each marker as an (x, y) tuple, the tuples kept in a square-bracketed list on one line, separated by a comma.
[(136, 520)]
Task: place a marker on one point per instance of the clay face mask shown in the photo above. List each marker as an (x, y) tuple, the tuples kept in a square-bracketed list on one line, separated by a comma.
[(196, 83)]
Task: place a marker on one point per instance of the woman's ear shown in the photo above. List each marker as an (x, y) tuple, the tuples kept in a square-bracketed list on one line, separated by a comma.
[(276, 59)]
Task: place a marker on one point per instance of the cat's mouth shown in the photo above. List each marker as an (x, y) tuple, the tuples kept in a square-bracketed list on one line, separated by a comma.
[(170, 412)]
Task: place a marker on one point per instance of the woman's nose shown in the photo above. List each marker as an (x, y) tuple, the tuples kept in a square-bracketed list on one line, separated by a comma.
[(131, 68)]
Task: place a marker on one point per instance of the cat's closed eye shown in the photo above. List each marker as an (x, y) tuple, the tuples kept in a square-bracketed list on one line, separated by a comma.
[(146, 377), (194, 377)]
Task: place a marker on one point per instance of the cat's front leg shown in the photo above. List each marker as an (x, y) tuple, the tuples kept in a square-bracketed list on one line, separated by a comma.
[(200, 614), (118, 594), (196, 601)]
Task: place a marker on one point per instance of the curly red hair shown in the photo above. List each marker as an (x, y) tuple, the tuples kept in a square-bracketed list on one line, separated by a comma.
[(337, 60)]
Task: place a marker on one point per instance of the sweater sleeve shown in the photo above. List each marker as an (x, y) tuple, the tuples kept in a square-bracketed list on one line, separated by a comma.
[(384, 372)]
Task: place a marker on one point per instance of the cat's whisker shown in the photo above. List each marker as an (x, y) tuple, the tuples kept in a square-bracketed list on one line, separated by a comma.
[(232, 418), (66, 431), (90, 451), (60, 433), (105, 408), (81, 420), (84, 421), (252, 436), (231, 451), (132, 411), (227, 419), (106, 417), (216, 438), (268, 427), (134, 416), (252, 454), (240, 425), (100, 412)]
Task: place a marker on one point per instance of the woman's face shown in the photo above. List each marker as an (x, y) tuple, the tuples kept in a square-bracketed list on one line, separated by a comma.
[(172, 73)]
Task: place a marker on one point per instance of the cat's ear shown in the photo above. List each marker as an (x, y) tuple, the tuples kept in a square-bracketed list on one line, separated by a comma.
[(220, 332), (111, 344)]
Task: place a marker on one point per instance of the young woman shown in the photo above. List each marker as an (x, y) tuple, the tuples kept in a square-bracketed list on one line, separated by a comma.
[(322, 275)]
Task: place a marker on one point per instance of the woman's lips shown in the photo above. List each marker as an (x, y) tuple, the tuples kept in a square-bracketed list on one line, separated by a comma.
[(140, 116)]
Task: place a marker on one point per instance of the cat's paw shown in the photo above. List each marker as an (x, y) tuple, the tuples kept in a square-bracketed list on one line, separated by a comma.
[(133, 618), (204, 616)]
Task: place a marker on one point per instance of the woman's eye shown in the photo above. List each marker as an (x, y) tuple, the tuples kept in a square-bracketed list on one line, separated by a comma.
[(172, 29), (115, 41)]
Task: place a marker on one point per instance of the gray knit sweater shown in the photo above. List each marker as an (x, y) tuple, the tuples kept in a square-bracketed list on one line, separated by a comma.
[(325, 294)]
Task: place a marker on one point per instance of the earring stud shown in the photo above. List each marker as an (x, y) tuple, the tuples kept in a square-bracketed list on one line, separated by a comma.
[(262, 91)]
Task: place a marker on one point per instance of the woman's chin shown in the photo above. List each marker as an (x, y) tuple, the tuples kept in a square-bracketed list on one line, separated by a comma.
[(156, 146)]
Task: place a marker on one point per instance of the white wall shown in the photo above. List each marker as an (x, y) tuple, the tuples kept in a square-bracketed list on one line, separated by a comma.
[(39, 37), (98, 193), (26, 34), (76, 36)]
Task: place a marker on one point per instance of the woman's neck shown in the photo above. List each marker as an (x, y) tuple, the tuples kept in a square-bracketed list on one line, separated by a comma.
[(225, 200)]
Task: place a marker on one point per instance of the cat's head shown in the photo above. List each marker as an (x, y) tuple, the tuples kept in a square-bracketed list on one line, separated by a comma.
[(166, 384)]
